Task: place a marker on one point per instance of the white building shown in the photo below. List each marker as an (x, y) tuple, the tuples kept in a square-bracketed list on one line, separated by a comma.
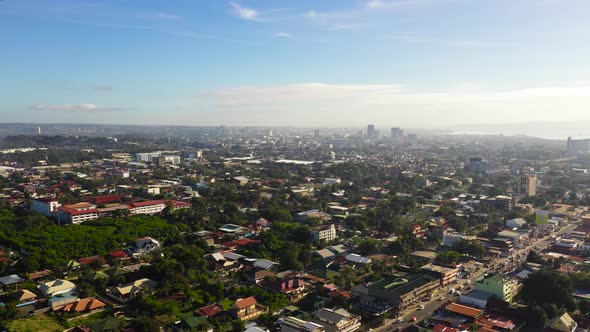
[(293, 324), (46, 206), (328, 181), (337, 321), (172, 159), (77, 213), (451, 236), (147, 156), (516, 237), (147, 207), (327, 234), (516, 223)]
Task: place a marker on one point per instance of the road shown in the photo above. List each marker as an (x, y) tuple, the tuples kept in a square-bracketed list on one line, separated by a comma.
[(497, 266)]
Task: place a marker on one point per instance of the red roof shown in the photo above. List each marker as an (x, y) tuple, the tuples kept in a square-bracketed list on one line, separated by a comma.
[(148, 203), (442, 328), (104, 199), (84, 305), (89, 260), (119, 254), (179, 203), (464, 310), (210, 310), (247, 302)]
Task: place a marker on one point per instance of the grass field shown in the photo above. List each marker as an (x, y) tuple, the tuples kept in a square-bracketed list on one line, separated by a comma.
[(40, 323)]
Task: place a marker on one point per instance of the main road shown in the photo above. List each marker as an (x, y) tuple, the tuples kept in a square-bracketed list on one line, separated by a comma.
[(496, 265)]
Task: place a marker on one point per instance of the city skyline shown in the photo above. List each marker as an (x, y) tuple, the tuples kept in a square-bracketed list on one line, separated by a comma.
[(407, 63)]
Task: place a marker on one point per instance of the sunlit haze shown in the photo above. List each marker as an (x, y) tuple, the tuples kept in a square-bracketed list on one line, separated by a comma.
[(417, 63)]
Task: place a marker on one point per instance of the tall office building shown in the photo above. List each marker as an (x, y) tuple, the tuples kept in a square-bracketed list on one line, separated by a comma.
[(528, 184), (316, 133), (397, 132), (577, 146), (371, 131)]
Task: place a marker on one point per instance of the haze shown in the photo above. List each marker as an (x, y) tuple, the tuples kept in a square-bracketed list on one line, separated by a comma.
[(419, 63)]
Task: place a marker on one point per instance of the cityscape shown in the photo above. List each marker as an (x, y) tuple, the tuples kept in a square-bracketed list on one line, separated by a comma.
[(295, 166)]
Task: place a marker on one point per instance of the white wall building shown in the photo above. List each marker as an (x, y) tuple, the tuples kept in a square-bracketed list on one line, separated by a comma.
[(45, 206), (327, 234)]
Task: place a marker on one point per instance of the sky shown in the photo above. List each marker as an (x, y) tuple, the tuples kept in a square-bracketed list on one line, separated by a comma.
[(339, 63)]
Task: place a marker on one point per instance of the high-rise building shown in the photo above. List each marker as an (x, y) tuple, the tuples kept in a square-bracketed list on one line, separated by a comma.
[(160, 161), (575, 146), (528, 184), (316, 133), (397, 132), (371, 131)]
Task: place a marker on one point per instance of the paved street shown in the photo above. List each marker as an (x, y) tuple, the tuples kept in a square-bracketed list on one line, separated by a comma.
[(496, 267)]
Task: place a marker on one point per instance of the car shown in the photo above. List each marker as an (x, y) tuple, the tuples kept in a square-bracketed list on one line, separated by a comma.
[(421, 307), (441, 298), (400, 319)]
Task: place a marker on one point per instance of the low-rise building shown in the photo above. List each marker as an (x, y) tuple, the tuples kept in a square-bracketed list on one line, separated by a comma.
[(126, 292), (247, 309), (395, 293), (501, 287), (293, 324), (77, 213), (45, 206), (56, 287), (447, 275), (337, 320), (327, 234)]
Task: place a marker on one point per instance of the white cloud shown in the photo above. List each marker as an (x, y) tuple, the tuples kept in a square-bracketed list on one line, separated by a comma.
[(86, 108), (283, 35), (311, 13), (338, 104), (244, 12)]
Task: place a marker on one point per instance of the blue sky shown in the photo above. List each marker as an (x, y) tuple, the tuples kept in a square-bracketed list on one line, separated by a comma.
[(418, 63)]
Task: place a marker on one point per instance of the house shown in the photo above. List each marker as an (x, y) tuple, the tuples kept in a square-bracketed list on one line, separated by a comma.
[(212, 310), (126, 292), (189, 322), (241, 180), (24, 297), (10, 280), (146, 244), (418, 231), (247, 309), (56, 287), (337, 320), (293, 324), (357, 259), (264, 264), (84, 305), (294, 288), (564, 323), (324, 254), (516, 223)]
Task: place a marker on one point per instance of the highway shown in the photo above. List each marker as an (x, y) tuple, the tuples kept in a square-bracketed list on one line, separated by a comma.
[(511, 263)]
